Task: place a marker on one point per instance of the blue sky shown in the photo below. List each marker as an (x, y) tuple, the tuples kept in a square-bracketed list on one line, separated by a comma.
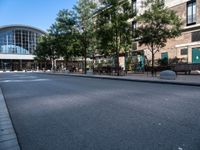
[(37, 13)]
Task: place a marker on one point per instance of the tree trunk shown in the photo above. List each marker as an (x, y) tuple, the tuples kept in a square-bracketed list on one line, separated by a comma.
[(55, 65), (85, 65), (117, 62), (52, 64), (93, 63), (66, 60), (45, 65), (152, 64), (117, 52)]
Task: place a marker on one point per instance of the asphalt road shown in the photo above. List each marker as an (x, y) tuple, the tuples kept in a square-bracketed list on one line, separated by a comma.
[(73, 113)]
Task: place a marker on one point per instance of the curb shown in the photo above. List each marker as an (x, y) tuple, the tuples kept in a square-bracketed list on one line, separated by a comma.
[(8, 138), (132, 80)]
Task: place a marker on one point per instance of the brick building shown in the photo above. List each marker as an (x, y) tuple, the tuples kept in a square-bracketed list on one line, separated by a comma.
[(187, 46)]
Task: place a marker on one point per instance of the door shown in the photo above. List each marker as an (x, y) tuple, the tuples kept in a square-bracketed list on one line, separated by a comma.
[(164, 55), (195, 55)]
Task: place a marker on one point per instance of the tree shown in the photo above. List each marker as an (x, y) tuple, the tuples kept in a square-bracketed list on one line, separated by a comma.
[(40, 52), (47, 49), (113, 29), (63, 39), (156, 25), (85, 10), (67, 35)]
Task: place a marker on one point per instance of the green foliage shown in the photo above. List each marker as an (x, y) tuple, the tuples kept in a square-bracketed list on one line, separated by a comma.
[(61, 40), (40, 52), (113, 30), (71, 35), (156, 25), (66, 22), (81, 33), (67, 34), (163, 62), (46, 49), (85, 10)]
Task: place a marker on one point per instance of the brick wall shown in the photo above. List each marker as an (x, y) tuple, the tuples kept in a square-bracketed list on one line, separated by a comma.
[(172, 3), (181, 10), (174, 46), (198, 11)]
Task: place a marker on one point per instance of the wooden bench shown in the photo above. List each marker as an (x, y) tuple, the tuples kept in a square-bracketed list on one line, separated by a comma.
[(187, 68)]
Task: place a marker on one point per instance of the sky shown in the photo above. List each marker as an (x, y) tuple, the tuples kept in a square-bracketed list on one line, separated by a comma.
[(36, 13)]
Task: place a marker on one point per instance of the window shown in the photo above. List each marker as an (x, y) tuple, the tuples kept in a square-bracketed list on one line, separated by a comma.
[(196, 36), (191, 12), (164, 55), (184, 51), (134, 46), (134, 6), (142, 4), (134, 24)]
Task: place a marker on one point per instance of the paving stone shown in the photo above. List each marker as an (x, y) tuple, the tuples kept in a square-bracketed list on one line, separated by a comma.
[(4, 119), (14, 148), (5, 145), (7, 137), (5, 122), (7, 131), (3, 113), (2, 110), (6, 126)]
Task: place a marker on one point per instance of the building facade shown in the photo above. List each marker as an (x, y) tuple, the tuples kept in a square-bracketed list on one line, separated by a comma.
[(186, 47), (17, 46)]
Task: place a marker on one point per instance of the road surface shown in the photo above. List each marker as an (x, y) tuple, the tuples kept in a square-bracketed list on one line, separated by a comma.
[(52, 112)]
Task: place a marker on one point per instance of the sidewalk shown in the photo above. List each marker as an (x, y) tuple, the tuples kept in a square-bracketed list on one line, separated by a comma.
[(8, 139), (191, 80)]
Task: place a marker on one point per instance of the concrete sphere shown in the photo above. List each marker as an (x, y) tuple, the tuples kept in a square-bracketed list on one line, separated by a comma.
[(168, 75)]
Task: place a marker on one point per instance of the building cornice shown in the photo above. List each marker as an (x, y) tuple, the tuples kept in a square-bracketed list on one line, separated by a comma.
[(22, 26), (192, 27), (174, 3), (188, 44)]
